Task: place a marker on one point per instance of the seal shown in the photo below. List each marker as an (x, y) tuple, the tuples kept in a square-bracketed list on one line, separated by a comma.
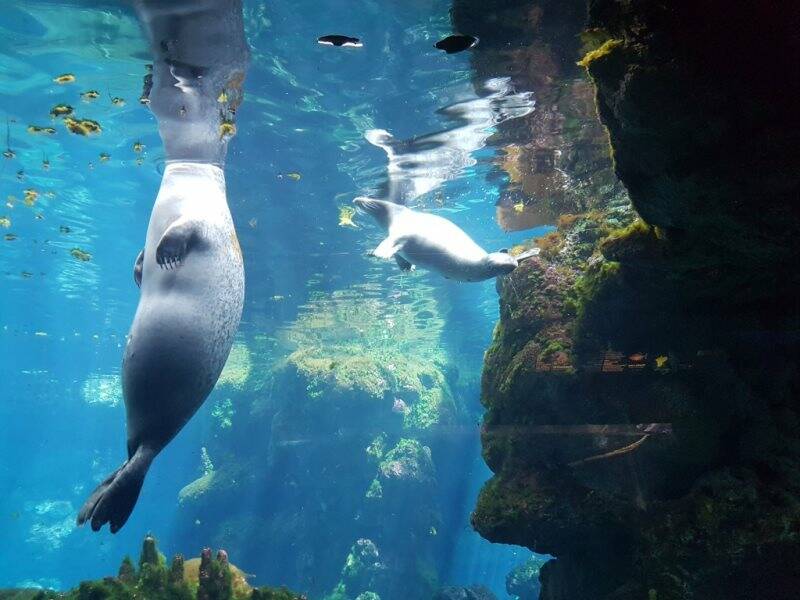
[(192, 293), (433, 242), (190, 272)]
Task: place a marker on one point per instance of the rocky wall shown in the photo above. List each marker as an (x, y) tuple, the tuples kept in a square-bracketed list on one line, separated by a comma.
[(641, 387)]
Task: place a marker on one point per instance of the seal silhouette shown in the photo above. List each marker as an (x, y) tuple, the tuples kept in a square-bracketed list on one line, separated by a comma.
[(433, 242), (192, 293)]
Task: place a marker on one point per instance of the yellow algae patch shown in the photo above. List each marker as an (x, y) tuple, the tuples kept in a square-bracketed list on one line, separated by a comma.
[(238, 366), (61, 110), (64, 78), (604, 50), (346, 214), (81, 255), (36, 130), (82, 126), (227, 129), (196, 488)]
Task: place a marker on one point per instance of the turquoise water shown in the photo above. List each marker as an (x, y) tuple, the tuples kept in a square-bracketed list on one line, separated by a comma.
[(299, 156)]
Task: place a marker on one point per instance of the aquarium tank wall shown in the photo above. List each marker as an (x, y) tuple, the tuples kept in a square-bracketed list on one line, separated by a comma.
[(370, 300)]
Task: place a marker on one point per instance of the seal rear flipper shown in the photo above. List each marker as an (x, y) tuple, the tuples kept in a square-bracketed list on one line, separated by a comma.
[(113, 500), (176, 243), (403, 263), (137, 269)]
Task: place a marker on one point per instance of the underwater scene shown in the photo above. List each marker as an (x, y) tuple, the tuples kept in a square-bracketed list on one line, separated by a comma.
[(413, 300)]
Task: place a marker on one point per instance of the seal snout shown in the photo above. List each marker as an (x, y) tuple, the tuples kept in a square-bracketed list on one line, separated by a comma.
[(502, 262), (506, 268)]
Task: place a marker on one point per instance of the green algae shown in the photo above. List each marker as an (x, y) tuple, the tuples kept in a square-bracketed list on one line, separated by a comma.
[(360, 569), (375, 489), (266, 593), (377, 447), (633, 243), (409, 459)]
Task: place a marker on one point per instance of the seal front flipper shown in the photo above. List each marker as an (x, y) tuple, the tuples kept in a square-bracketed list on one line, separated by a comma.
[(403, 263), (137, 269), (388, 248), (113, 500), (177, 242)]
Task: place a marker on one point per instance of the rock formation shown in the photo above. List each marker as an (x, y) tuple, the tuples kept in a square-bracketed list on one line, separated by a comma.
[(641, 388)]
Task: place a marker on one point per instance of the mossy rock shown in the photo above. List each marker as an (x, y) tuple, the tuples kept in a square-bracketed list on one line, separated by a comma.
[(155, 581), (241, 588)]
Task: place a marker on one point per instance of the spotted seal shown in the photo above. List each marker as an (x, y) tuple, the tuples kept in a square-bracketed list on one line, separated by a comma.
[(433, 242)]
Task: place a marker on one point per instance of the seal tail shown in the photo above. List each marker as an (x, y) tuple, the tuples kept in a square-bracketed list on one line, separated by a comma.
[(113, 500)]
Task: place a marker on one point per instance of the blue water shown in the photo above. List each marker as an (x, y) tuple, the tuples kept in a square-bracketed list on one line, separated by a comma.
[(63, 321)]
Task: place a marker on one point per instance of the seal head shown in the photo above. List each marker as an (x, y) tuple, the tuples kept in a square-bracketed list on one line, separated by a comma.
[(500, 263)]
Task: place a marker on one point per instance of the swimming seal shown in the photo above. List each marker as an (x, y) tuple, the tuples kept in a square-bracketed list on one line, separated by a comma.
[(433, 242), (192, 293), (190, 272)]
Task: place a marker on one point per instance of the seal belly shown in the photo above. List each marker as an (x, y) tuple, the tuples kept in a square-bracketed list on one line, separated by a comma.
[(433, 255), (168, 370), (180, 340)]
